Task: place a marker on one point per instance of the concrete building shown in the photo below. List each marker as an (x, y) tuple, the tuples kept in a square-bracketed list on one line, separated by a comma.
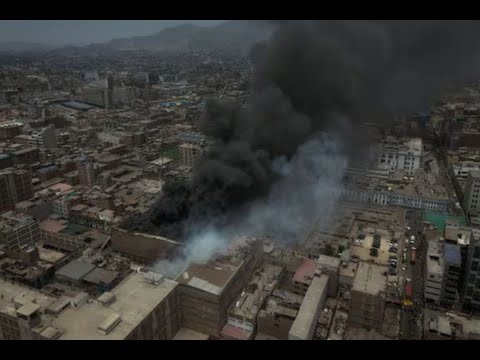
[(144, 306), (276, 319), (451, 274), (379, 187), (330, 266), (125, 95), (18, 231), (471, 286), (86, 170), (450, 326), (242, 315), (303, 276), (367, 303), (98, 96), (143, 248), (189, 153), (9, 130), (434, 272), (15, 186), (393, 155), (303, 328), (45, 138), (27, 156), (471, 200), (208, 290)]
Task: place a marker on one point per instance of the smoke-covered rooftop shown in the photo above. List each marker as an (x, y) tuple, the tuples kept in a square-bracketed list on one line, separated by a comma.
[(274, 163)]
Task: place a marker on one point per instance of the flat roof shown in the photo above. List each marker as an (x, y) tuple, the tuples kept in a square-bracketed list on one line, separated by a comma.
[(135, 299), (101, 276), (75, 270), (331, 261), (26, 150), (49, 255), (28, 309), (21, 294), (189, 334), (452, 254), (304, 324), (51, 225), (370, 278), (211, 277), (305, 271)]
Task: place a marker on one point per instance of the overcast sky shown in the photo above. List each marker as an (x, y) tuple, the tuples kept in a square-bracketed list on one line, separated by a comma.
[(77, 32)]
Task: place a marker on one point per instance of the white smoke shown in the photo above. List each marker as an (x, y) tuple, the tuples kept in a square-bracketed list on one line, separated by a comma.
[(306, 194)]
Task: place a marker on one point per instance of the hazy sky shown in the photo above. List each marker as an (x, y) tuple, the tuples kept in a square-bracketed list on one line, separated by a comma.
[(62, 32)]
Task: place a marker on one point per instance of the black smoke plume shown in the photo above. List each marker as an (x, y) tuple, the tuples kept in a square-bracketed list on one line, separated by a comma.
[(310, 77)]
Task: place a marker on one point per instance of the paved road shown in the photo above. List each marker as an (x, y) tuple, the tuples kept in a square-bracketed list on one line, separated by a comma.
[(412, 318)]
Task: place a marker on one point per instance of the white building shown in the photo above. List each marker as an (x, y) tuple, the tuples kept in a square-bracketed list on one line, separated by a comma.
[(471, 200), (398, 199), (393, 155), (462, 169), (434, 278)]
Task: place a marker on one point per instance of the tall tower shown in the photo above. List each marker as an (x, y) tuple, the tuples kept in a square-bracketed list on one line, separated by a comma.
[(86, 170), (471, 199)]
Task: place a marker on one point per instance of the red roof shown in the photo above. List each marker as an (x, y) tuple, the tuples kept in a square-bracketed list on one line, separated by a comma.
[(51, 226), (306, 269), (233, 332)]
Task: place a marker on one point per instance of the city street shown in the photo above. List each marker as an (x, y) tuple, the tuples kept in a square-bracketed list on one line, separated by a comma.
[(412, 317)]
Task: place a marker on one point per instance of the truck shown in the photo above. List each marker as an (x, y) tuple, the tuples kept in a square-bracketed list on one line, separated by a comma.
[(413, 258), (408, 290), (408, 294)]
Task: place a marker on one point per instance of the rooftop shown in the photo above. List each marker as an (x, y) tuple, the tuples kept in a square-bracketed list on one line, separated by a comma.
[(135, 299), (330, 261), (189, 334), (305, 271), (307, 316), (211, 278), (101, 276), (75, 270), (434, 258), (370, 278), (452, 255), (261, 285)]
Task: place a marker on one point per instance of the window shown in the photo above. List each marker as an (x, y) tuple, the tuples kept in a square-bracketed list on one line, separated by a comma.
[(474, 266), (469, 291), (471, 278), (476, 252), (476, 296), (477, 283)]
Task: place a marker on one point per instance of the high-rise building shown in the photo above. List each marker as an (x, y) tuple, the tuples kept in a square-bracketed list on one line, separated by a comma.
[(471, 286), (18, 231), (434, 278), (86, 170), (451, 274), (125, 94), (367, 303), (15, 186), (98, 96), (44, 138), (145, 306), (208, 290), (471, 200), (189, 153)]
